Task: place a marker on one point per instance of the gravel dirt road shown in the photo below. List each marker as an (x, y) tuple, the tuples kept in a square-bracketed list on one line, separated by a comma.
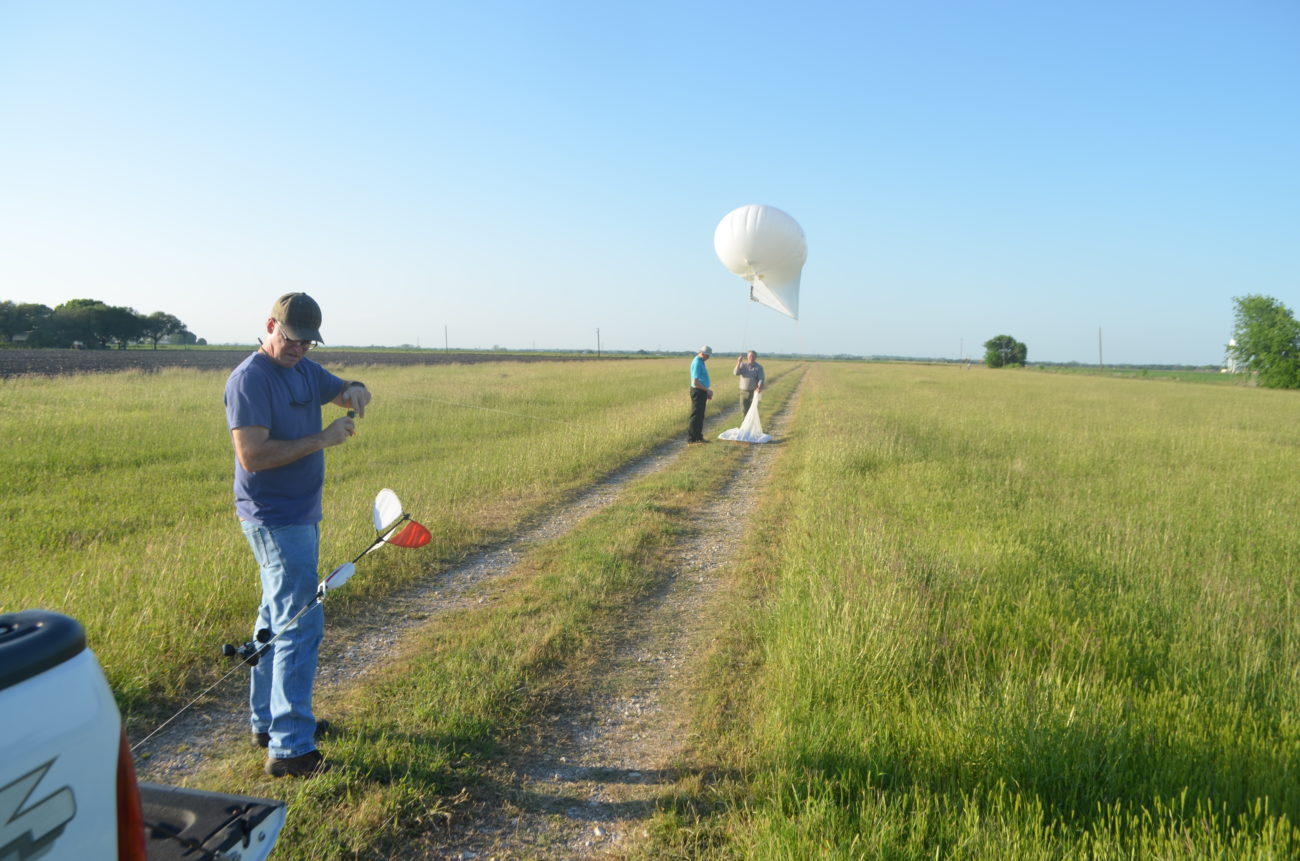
[(584, 783)]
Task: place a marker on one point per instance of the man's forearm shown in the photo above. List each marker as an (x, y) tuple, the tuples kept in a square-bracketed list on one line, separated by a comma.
[(257, 451), (272, 453)]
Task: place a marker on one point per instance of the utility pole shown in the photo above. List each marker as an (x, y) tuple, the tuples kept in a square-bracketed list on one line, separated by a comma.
[(445, 342), (598, 343)]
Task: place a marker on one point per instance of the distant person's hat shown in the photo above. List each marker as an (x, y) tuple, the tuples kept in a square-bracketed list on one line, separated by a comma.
[(706, 350), (299, 316)]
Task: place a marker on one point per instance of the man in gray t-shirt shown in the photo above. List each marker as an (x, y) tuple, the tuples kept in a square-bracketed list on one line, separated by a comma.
[(751, 379)]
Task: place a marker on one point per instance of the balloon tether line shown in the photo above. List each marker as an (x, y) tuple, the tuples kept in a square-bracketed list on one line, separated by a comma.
[(744, 334), (185, 707)]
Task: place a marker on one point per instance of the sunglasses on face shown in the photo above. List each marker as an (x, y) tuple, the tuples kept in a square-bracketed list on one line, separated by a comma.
[(290, 342)]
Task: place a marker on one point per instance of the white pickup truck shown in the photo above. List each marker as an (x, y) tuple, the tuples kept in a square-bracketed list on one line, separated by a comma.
[(67, 780)]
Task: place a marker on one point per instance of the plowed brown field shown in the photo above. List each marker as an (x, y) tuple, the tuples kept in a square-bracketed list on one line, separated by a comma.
[(54, 362)]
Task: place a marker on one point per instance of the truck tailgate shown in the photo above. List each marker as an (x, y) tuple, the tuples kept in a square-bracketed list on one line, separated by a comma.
[(188, 824)]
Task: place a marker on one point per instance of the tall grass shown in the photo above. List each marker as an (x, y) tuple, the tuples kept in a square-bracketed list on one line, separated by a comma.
[(1034, 615), (117, 507), (1003, 612)]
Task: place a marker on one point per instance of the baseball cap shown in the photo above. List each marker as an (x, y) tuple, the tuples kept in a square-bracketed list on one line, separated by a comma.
[(299, 316), (706, 350)]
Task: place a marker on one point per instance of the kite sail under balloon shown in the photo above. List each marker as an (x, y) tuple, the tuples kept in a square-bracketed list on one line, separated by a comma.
[(766, 247)]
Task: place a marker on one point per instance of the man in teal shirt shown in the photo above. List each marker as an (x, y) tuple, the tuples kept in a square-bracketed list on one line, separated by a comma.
[(701, 394)]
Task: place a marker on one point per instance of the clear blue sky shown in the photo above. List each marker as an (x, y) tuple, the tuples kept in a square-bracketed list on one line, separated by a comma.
[(526, 173)]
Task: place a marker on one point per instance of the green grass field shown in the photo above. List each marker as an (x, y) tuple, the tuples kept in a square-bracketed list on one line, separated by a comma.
[(1017, 614), (1000, 612)]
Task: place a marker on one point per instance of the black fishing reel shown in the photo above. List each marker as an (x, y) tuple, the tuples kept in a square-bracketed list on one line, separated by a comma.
[(251, 652)]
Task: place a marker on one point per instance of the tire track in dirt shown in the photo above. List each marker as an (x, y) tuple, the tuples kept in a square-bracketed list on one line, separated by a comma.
[(208, 728), (584, 782)]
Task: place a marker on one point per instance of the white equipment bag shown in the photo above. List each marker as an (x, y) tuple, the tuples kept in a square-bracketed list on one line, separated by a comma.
[(751, 429)]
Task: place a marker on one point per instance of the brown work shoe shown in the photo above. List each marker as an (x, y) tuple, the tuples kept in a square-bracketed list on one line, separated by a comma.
[(263, 739), (307, 765)]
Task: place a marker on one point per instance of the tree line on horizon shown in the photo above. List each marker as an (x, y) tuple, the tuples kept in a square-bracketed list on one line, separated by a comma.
[(87, 323)]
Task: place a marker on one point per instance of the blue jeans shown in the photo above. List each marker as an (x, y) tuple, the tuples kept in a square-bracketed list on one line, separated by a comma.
[(280, 692)]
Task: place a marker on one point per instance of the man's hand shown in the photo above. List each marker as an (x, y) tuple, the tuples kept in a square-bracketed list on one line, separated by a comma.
[(338, 431), (356, 396)]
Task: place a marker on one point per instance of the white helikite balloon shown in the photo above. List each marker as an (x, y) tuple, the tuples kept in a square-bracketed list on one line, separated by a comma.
[(766, 247)]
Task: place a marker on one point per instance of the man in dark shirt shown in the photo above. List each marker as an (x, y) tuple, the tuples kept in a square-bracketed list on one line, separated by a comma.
[(273, 409)]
